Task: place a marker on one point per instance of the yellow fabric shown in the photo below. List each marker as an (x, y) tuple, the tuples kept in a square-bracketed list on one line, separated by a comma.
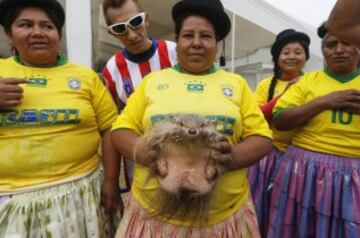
[(282, 139), (331, 131), (54, 133), (222, 96)]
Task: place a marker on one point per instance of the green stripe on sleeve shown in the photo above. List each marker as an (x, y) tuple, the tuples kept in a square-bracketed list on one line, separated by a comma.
[(277, 113)]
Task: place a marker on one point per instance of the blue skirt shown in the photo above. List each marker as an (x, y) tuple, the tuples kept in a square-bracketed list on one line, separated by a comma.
[(261, 178), (315, 195)]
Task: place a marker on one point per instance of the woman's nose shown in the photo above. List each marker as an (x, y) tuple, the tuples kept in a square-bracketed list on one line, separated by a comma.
[(36, 30), (196, 41)]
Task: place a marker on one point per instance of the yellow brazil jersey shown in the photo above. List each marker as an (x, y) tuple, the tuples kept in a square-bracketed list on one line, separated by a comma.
[(221, 96), (331, 131), (281, 138), (53, 134)]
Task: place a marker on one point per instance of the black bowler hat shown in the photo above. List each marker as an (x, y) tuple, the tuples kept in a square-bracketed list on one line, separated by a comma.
[(322, 31), (288, 36), (212, 10), (6, 5)]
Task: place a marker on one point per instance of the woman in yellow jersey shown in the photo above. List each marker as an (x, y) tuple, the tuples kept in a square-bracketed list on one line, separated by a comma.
[(289, 53), (195, 86), (53, 114), (316, 189)]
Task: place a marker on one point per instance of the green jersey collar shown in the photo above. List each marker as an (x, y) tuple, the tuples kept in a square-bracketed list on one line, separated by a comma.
[(210, 71), (342, 79), (60, 61)]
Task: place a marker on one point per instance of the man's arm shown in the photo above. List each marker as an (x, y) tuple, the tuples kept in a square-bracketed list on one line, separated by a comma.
[(295, 117)]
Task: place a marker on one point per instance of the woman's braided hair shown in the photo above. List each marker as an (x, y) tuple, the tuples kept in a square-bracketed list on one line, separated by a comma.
[(276, 76)]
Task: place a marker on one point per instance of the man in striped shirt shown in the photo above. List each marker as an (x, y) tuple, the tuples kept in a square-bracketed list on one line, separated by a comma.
[(141, 55)]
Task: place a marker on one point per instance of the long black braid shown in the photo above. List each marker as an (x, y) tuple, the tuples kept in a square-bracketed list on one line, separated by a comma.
[(275, 78)]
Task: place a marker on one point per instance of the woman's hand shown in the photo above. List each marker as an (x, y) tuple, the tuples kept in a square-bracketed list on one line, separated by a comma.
[(11, 93), (110, 196), (349, 100), (240, 155), (221, 151), (144, 154)]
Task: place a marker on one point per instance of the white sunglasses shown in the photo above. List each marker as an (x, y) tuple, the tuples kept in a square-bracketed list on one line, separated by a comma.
[(134, 23)]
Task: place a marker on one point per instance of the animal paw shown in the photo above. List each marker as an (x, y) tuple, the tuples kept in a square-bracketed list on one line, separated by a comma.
[(162, 167)]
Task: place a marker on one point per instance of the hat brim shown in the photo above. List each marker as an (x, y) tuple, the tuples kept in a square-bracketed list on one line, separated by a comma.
[(296, 36), (219, 19), (6, 5)]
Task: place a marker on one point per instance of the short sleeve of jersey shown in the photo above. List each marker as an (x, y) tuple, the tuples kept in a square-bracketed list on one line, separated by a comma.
[(293, 97), (104, 106), (261, 92), (253, 120), (132, 115), (107, 80)]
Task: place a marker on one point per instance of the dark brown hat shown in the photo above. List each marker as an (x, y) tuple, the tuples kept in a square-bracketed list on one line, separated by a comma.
[(212, 10), (6, 5)]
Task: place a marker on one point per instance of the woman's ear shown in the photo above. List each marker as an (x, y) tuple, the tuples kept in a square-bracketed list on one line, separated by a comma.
[(176, 48), (10, 40), (11, 43)]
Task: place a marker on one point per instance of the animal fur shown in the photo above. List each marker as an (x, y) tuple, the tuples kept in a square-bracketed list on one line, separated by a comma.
[(183, 167)]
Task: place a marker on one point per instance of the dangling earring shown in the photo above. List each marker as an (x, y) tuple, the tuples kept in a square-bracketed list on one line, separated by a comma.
[(13, 50), (12, 47), (325, 64), (222, 60)]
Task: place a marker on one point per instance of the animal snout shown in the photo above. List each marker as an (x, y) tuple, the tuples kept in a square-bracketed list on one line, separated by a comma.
[(192, 131)]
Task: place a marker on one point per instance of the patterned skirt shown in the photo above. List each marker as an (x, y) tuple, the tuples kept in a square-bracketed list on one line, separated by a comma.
[(261, 179), (315, 195), (136, 223), (67, 210)]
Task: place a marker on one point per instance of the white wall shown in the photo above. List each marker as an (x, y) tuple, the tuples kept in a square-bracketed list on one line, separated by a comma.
[(78, 31), (258, 66)]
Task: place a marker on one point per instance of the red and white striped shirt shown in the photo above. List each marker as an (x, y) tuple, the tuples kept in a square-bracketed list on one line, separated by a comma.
[(122, 75)]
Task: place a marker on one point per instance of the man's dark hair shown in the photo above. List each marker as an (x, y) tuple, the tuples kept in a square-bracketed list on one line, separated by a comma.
[(117, 4)]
